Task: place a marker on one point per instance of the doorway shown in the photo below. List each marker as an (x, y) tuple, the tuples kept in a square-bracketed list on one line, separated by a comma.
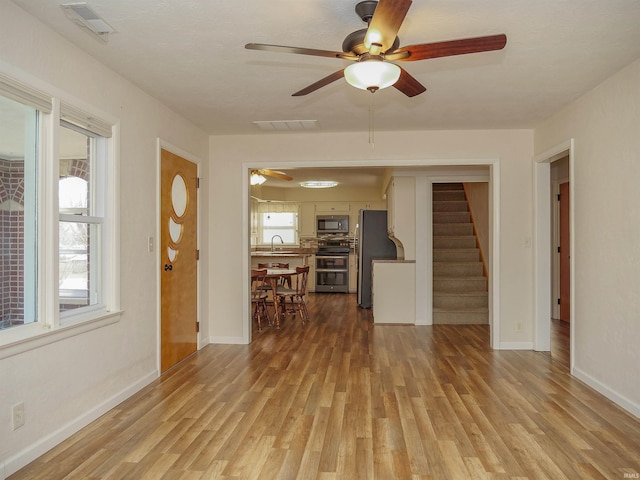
[(424, 171), (178, 259), (553, 168)]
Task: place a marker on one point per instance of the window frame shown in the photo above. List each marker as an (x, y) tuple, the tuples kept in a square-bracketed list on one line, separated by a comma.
[(50, 326), (294, 229)]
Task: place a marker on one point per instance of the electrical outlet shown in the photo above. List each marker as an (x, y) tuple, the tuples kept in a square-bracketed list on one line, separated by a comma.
[(17, 413)]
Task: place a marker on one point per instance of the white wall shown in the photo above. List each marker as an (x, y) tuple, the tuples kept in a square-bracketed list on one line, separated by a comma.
[(513, 149), (604, 125), (65, 384)]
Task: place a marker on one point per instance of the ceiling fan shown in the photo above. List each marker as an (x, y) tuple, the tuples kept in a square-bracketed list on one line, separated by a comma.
[(374, 48), (258, 176)]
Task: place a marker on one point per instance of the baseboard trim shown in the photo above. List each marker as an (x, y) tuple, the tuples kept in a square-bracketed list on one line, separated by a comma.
[(620, 400), (228, 340), (29, 454), (516, 346)]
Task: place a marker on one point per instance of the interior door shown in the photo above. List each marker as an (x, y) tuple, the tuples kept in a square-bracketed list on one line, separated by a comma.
[(565, 254), (179, 257)]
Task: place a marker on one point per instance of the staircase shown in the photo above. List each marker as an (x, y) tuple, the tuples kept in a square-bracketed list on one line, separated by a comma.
[(459, 285)]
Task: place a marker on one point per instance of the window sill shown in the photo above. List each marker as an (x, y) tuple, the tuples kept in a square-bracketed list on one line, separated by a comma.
[(21, 339)]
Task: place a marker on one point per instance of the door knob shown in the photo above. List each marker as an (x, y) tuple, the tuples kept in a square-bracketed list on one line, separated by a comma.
[(168, 267)]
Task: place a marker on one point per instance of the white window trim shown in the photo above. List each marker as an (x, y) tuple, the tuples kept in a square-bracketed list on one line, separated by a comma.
[(48, 329)]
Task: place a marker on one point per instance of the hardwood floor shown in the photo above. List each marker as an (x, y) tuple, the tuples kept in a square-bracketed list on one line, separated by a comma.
[(560, 341), (340, 398)]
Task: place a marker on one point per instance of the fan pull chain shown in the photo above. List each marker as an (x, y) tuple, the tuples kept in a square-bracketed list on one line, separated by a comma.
[(372, 140)]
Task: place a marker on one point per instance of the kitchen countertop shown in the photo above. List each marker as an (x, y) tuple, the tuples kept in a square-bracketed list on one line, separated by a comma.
[(290, 252)]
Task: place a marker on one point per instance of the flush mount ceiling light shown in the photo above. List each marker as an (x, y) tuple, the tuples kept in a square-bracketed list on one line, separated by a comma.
[(372, 74), (256, 178), (318, 184), (84, 16)]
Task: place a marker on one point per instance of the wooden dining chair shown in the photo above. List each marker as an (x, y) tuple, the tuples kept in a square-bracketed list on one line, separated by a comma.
[(292, 299), (259, 297)]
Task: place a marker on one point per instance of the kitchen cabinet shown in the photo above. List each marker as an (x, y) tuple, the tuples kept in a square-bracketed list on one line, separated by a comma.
[(311, 279), (394, 292), (307, 220), (332, 207), (401, 215), (353, 273)]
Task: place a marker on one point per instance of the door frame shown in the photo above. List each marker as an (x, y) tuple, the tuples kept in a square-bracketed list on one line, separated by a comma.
[(164, 145), (542, 235), (422, 281)]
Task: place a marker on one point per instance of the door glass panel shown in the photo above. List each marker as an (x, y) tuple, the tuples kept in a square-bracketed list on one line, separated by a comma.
[(175, 230), (179, 195)]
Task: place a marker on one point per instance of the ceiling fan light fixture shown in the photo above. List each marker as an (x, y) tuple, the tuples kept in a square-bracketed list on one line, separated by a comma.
[(372, 74), (318, 184), (257, 179)]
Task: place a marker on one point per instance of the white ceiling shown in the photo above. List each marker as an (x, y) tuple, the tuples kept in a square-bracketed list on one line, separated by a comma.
[(190, 54)]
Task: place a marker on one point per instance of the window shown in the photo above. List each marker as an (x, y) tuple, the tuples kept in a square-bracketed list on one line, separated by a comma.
[(57, 215), (278, 218), (80, 219), (283, 224), (18, 153)]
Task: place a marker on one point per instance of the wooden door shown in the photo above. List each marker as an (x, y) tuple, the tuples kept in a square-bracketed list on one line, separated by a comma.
[(178, 259), (565, 254)]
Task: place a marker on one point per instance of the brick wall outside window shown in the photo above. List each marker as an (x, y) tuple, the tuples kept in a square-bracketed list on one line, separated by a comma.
[(11, 242)]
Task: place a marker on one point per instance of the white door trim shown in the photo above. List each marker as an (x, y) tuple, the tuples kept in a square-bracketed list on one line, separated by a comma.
[(542, 244), (494, 219)]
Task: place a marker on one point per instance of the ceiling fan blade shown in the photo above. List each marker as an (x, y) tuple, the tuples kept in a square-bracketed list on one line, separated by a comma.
[(320, 83), (299, 50), (409, 85), (385, 23), (274, 174), (448, 48)]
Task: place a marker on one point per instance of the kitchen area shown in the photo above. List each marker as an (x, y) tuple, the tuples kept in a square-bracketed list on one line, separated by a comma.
[(349, 238)]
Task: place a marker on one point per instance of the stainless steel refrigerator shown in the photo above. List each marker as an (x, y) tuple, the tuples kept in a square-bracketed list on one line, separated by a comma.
[(373, 243)]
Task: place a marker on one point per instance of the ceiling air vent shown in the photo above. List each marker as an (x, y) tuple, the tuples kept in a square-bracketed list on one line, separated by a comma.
[(84, 16), (286, 124)]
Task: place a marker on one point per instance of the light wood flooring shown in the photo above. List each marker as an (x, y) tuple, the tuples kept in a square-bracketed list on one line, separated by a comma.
[(340, 398)]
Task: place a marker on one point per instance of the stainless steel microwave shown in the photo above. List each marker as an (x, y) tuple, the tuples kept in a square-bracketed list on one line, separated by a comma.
[(332, 224)]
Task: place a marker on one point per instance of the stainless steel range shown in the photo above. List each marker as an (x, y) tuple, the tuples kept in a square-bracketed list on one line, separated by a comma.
[(332, 264)]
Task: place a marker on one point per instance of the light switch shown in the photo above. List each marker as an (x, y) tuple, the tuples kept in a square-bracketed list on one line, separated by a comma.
[(150, 245)]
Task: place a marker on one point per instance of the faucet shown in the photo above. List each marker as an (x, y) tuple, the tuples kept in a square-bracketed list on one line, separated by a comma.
[(281, 240)]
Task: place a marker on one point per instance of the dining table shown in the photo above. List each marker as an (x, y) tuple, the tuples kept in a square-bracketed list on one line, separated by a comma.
[(273, 275)]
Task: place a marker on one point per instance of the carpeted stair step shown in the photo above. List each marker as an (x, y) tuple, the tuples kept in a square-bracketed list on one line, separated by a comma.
[(467, 316), (448, 196), (457, 241), (457, 269), (451, 217), (456, 254), (452, 206), (449, 229), (459, 284), (460, 300)]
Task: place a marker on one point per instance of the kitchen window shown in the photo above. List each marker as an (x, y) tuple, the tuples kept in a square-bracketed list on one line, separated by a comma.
[(58, 217), (278, 218)]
